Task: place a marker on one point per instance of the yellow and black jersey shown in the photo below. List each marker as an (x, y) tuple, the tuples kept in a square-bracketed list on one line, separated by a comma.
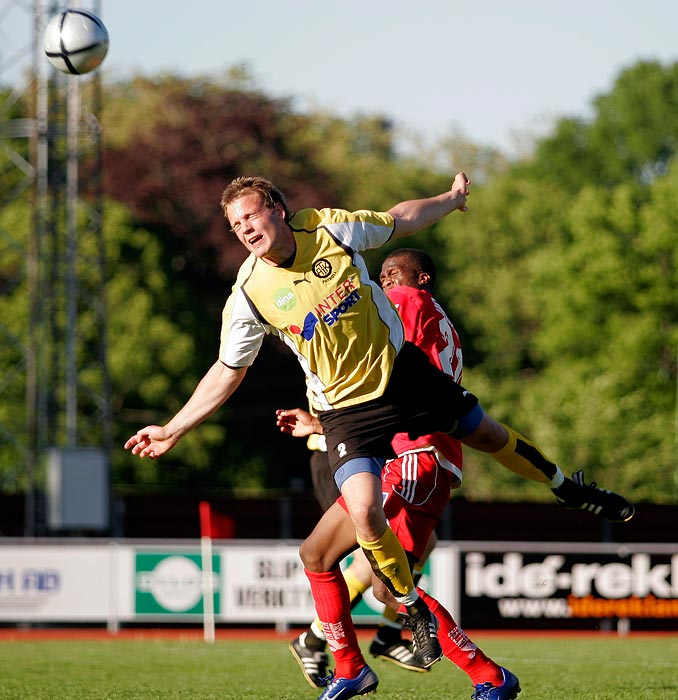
[(340, 325)]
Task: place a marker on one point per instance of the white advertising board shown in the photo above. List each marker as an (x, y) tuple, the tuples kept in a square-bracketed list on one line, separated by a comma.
[(59, 584), (263, 584)]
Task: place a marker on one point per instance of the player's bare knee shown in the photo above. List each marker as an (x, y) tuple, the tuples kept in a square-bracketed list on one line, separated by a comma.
[(312, 558), (369, 521)]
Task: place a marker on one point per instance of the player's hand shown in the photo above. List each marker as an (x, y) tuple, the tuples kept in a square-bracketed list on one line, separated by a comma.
[(152, 441), (460, 189), (297, 422)]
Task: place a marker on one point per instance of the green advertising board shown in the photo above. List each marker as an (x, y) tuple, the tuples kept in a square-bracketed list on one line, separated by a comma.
[(170, 583)]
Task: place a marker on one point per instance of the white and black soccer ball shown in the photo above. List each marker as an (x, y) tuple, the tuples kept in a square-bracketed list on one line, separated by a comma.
[(76, 41)]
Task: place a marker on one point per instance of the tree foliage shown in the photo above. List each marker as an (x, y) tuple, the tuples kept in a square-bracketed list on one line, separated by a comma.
[(561, 278), (170, 173), (634, 132)]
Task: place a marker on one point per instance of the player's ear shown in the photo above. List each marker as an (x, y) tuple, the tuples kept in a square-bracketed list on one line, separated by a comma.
[(423, 279)]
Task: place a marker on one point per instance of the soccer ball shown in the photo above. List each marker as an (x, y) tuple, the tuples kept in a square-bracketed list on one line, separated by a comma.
[(76, 41)]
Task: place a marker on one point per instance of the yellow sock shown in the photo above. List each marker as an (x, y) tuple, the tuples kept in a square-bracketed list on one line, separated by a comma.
[(388, 561), (522, 457), (390, 614), (355, 586)]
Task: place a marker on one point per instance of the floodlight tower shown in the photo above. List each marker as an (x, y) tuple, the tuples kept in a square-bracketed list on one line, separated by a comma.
[(56, 357)]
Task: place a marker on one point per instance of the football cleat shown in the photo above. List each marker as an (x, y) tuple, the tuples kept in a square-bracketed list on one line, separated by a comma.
[(424, 627), (342, 688), (398, 652), (578, 495), (508, 690), (312, 662)]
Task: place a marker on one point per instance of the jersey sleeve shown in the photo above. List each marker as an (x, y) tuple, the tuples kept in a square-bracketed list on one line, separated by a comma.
[(358, 230), (241, 332)]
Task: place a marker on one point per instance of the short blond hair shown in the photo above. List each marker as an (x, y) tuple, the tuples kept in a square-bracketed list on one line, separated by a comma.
[(250, 184)]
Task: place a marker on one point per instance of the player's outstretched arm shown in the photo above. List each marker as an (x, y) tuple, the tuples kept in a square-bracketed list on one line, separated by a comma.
[(212, 392), (297, 422), (415, 214)]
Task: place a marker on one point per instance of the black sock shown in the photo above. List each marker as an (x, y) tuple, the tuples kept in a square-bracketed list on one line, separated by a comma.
[(567, 488), (419, 608)]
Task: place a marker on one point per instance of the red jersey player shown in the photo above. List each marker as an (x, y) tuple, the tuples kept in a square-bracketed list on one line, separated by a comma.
[(416, 487), (416, 483)]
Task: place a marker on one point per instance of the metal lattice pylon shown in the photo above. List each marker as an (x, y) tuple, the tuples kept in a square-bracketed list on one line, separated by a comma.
[(54, 385)]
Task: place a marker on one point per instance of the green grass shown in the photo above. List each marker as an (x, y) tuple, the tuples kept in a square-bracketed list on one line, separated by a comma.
[(605, 668)]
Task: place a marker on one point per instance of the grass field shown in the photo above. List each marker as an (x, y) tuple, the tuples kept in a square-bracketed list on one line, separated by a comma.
[(596, 668)]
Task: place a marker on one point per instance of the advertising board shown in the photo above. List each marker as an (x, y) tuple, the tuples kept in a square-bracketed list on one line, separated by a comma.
[(485, 585), (56, 584), (567, 587)]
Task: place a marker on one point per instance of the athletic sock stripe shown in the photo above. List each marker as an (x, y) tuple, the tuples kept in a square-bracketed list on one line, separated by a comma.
[(381, 576), (535, 457)]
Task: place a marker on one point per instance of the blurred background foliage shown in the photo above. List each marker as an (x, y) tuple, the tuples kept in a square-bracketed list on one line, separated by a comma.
[(561, 278)]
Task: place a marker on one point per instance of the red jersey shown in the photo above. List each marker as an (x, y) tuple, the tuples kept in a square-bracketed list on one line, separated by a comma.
[(428, 327)]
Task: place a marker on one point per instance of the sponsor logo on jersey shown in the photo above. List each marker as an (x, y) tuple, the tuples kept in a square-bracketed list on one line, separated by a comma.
[(301, 279), (308, 330), (285, 299), (337, 302), (322, 268), (331, 318), (329, 310)]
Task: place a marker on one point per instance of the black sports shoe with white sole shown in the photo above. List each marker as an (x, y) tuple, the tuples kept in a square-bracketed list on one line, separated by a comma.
[(312, 662), (397, 651), (424, 626), (578, 495)]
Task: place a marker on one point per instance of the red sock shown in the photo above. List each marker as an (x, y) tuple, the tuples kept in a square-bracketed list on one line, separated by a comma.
[(459, 649), (333, 607)]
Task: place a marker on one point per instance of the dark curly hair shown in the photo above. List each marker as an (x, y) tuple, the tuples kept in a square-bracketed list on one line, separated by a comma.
[(419, 260)]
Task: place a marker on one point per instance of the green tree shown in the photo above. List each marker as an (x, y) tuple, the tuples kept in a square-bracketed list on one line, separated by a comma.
[(567, 303), (14, 318), (633, 133), (561, 278), (195, 138)]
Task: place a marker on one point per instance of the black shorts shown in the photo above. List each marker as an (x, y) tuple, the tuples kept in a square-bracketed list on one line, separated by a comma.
[(324, 488), (420, 399)]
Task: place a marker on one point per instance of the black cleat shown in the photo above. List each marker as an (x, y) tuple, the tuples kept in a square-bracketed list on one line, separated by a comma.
[(578, 495), (424, 626), (398, 652), (312, 662)]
